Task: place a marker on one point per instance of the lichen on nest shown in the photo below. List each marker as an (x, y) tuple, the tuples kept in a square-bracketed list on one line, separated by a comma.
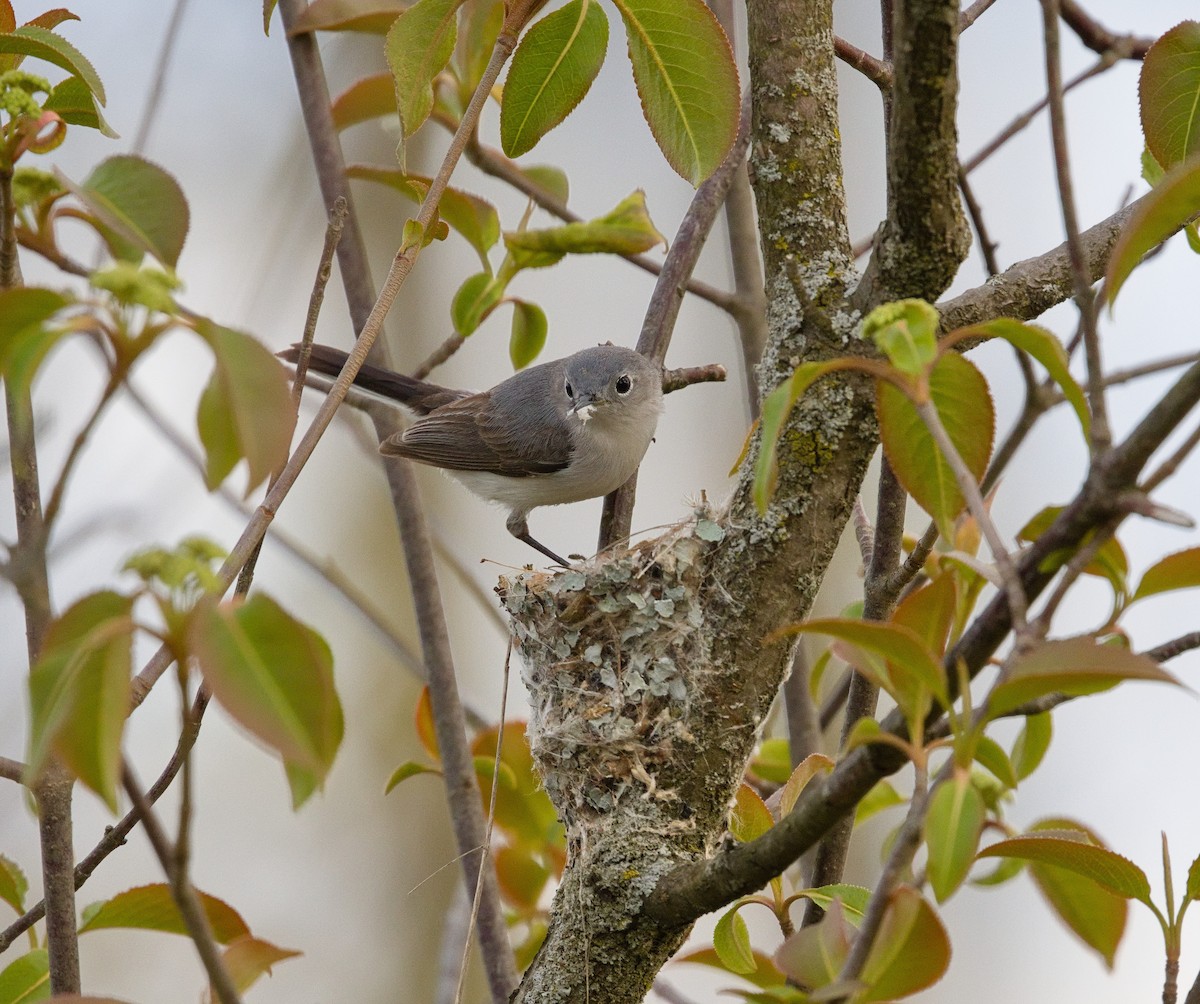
[(611, 655)]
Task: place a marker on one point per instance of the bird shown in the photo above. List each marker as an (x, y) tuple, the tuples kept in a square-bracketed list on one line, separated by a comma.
[(563, 431)]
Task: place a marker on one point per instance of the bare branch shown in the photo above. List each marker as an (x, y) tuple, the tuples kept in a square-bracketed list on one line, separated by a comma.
[(878, 71), (1098, 38)]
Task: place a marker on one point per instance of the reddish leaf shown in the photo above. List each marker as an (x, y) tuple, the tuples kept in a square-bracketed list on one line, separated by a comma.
[(522, 876), (814, 955), (365, 99), (373, 16), (247, 958), (765, 973), (911, 951), (151, 908), (806, 770)]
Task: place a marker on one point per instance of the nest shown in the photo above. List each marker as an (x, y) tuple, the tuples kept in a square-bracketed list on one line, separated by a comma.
[(611, 657)]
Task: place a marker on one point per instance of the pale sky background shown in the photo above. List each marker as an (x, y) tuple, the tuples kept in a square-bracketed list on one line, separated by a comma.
[(359, 882)]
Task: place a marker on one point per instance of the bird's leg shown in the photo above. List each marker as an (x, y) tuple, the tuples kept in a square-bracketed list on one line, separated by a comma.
[(518, 526)]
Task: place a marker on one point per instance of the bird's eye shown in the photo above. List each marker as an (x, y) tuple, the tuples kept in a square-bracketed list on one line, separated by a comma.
[(570, 390), (624, 384)]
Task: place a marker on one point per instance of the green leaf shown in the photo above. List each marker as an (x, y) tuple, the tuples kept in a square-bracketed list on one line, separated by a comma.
[(41, 43), (853, 898), (372, 16), (1045, 349), (419, 45), (905, 332), (247, 958), (246, 409), (960, 394), (552, 179), (25, 338), (952, 828), (750, 818), (75, 104), (1072, 850), (523, 811), (1032, 743), (151, 908), (991, 755), (365, 99), (479, 26), (476, 298), (1180, 570), (26, 979), (772, 760), (626, 229), (882, 796), (1169, 95), (731, 940), (910, 666), (474, 218), (79, 691), (274, 675), (1193, 880), (1092, 912), (911, 951), (1005, 871), (410, 768), (687, 81), (140, 208), (1074, 666), (814, 955), (776, 408), (529, 327), (806, 770), (13, 884), (1170, 204), (551, 71)]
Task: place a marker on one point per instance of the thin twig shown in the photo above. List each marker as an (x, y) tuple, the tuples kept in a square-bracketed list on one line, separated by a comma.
[(1013, 589), (182, 891), (57, 493), (1085, 296), (1098, 38), (439, 355), (969, 16), (157, 88), (674, 380), (659, 322), (987, 247), (114, 836), (878, 71), (12, 770), (1169, 466)]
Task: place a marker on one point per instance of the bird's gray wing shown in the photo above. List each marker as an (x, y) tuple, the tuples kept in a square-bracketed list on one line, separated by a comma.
[(480, 433)]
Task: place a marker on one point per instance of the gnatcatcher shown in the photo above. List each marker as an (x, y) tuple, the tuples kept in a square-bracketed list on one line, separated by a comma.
[(573, 429)]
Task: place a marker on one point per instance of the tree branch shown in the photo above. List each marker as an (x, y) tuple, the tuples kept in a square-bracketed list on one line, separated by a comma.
[(1098, 38)]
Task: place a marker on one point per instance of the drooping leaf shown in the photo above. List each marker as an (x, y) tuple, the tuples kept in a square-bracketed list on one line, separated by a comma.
[(1032, 742), (552, 179), (369, 98), (75, 103), (529, 328), (1169, 94), (476, 298), (882, 796), (911, 951), (246, 410), (479, 26), (1180, 570), (273, 674), (25, 337), (41, 43), (1172, 202), (1073, 851), (1074, 666), (1193, 880), (750, 817), (952, 828), (373, 16), (814, 955), (423, 721), (626, 229), (474, 218), (247, 958), (909, 667), (905, 332), (686, 78), (79, 691), (1091, 911), (551, 71), (991, 755), (853, 898), (1042, 346), (929, 612), (26, 979), (13, 884), (731, 941), (521, 876), (419, 45), (963, 402), (140, 207), (151, 908), (806, 770)]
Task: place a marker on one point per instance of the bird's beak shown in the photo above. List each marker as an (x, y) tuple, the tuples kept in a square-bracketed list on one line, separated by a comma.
[(585, 407)]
